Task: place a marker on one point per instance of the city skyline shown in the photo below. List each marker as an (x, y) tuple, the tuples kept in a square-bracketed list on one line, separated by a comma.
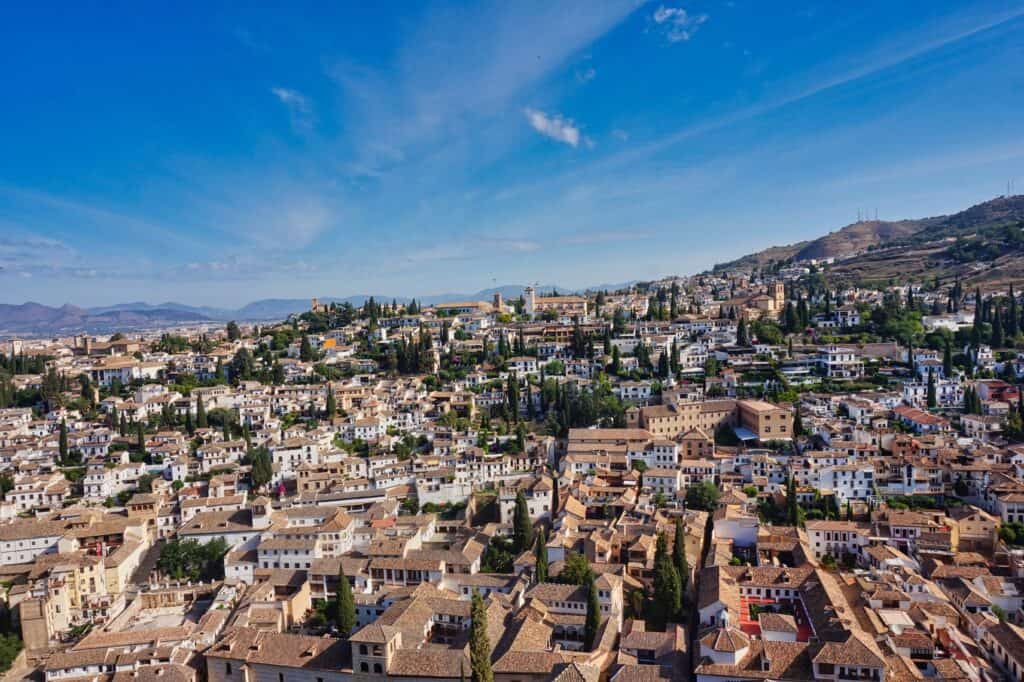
[(214, 157)]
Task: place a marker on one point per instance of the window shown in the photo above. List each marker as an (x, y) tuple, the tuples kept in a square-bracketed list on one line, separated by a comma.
[(227, 668)]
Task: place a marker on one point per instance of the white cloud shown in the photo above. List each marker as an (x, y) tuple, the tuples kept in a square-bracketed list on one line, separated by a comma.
[(300, 109), (586, 75), (676, 23), (554, 126)]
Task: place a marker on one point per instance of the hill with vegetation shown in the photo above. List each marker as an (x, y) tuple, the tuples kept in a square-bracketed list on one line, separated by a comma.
[(980, 245)]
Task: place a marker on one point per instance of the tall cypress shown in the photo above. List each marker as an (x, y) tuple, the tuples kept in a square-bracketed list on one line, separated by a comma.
[(679, 556), (62, 441), (201, 421), (479, 644), (346, 606), (1012, 316), (932, 401), (541, 572), (593, 621), (522, 527)]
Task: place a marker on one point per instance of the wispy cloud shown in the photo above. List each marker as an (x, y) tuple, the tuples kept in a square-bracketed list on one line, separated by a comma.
[(471, 247), (586, 74), (459, 69), (300, 108), (676, 24), (554, 126), (604, 237)]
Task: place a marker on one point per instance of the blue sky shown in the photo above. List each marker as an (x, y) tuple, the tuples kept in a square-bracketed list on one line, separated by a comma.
[(199, 153)]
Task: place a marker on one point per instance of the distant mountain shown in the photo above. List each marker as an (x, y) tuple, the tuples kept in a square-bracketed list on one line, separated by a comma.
[(37, 319), (868, 237)]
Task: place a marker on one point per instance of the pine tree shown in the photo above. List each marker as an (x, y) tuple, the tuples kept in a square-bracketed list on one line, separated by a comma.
[(479, 644), (541, 571), (593, 621), (522, 527), (201, 421), (346, 605)]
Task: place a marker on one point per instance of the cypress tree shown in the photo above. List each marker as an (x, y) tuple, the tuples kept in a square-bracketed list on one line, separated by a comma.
[(1012, 316), (201, 421), (997, 329), (189, 426), (113, 418), (679, 556), (947, 360), (742, 336), (479, 644), (332, 405), (62, 441), (541, 572), (522, 527), (667, 600), (141, 435), (346, 608), (593, 621), (932, 401)]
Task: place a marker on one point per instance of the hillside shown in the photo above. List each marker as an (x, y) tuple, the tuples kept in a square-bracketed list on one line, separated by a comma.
[(35, 318), (860, 239)]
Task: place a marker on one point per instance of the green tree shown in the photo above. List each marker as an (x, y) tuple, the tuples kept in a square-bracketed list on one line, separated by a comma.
[(62, 441), (234, 333), (522, 527), (667, 590), (201, 421), (332, 404), (541, 571), (346, 605), (140, 435), (742, 335), (479, 643), (306, 352), (262, 467), (576, 570), (932, 400), (593, 621), (679, 555), (703, 495)]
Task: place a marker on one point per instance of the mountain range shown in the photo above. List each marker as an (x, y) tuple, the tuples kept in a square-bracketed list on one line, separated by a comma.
[(38, 319)]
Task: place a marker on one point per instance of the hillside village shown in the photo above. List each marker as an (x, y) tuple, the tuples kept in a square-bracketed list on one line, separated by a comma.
[(751, 474)]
